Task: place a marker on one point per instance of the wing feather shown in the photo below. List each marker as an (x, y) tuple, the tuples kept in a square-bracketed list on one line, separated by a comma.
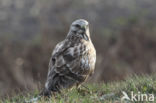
[(69, 61)]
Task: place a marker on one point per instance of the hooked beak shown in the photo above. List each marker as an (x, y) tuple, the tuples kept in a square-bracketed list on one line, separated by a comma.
[(83, 28)]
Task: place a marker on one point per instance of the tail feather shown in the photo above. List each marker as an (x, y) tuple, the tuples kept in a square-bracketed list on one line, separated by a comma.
[(45, 93)]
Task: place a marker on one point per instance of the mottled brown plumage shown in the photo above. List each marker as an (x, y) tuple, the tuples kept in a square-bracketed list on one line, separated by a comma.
[(73, 59)]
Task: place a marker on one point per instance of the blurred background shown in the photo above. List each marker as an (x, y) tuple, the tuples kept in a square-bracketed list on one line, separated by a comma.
[(123, 32)]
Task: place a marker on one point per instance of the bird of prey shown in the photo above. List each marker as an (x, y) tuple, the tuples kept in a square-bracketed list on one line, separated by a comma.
[(73, 59)]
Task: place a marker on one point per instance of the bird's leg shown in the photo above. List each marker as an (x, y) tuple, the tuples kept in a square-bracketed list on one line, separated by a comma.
[(85, 87), (83, 90), (78, 87)]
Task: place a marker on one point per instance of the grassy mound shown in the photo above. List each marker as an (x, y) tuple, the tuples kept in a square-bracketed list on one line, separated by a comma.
[(96, 93)]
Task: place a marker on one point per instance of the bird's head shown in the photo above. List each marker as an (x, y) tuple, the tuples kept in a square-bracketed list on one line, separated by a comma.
[(80, 28)]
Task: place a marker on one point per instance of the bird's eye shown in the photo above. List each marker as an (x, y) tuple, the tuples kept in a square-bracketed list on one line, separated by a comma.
[(78, 26)]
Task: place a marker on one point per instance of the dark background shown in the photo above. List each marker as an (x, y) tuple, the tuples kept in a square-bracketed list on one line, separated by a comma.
[(123, 32)]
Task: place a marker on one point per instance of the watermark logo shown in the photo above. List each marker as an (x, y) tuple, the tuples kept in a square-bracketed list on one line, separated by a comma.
[(137, 97), (125, 96)]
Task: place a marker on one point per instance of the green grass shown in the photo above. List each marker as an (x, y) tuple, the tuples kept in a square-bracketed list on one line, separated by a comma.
[(97, 93)]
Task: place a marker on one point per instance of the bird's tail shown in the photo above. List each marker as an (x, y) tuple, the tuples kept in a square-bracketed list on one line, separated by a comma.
[(45, 93)]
